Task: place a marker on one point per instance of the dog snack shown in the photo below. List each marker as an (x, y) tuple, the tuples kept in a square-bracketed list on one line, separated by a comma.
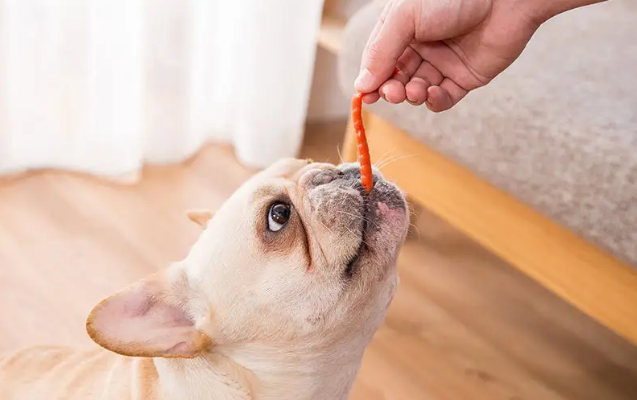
[(367, 178), (363, 149)]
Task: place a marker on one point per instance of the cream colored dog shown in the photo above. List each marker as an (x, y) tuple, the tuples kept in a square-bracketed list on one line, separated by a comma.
[(278, 299)]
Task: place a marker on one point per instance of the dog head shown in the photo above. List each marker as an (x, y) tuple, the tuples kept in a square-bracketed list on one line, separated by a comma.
[(299, 255)]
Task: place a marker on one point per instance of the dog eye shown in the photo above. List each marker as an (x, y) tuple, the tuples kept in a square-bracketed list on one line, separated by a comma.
[(278, 216)]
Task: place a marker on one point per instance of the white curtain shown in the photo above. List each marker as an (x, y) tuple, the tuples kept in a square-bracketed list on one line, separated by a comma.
[(106, 86)]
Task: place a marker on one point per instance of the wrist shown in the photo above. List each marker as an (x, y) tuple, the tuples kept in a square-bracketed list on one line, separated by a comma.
[(543, 10)]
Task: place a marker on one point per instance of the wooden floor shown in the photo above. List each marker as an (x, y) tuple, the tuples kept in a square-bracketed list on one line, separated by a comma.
[(464, 326)]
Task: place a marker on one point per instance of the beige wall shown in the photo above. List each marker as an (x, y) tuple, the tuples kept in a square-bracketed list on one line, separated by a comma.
[(327, 100)]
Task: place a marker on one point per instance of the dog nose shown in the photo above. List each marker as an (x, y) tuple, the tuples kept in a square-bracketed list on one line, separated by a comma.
[(324, 176), (353, 171)]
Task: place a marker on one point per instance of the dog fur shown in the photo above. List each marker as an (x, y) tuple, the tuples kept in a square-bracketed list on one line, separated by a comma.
[(257, 309)]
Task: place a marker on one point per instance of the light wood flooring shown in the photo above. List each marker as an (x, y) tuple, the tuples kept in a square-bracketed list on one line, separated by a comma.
[(463, 326)]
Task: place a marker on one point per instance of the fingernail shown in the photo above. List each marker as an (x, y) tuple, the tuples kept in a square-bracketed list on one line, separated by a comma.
[(414, 101), (364, 81), (383, 93)]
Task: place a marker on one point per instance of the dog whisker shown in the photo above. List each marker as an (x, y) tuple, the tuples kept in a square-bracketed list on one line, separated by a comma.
[(382, 158), (367, 220), (325, 226), (338, 151), (416, 228), (395, 159), (355, 234)]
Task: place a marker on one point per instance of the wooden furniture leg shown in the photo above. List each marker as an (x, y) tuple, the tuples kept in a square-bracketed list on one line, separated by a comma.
[(579, 272)]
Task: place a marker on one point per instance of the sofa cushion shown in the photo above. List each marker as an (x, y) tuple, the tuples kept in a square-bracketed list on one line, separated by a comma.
[(557, 130)]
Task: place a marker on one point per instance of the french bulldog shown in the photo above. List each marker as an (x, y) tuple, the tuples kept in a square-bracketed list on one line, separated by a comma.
[(277, 299)]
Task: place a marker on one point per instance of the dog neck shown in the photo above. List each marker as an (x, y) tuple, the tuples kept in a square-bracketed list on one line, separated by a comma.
[(255, 372)]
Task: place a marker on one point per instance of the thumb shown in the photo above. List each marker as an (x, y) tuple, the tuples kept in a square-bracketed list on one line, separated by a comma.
[(393, 33)]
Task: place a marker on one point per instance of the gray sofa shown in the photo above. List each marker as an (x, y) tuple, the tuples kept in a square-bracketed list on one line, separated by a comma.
[(557, 130)]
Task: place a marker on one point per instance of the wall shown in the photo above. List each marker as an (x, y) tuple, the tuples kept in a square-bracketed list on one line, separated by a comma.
[(327, 100)]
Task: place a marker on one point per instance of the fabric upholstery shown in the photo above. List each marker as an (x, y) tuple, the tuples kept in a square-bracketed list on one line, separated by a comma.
[(557, 130)]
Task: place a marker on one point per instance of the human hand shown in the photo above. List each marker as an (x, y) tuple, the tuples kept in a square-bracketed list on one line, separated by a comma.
[(442, 48)]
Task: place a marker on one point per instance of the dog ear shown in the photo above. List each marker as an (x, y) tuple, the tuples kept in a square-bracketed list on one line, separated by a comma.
[(200, 217), (147, 319)]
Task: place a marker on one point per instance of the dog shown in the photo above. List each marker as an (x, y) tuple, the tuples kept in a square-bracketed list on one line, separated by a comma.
[(277, 299)]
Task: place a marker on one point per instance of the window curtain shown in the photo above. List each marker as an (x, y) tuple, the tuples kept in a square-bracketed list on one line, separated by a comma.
[(107, 86)]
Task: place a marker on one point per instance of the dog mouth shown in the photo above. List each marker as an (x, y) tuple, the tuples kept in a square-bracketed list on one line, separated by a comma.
[(380, 212), (353, 264)]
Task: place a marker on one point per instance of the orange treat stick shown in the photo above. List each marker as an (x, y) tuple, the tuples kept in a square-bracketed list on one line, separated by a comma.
[(363, 149), (367, 178)]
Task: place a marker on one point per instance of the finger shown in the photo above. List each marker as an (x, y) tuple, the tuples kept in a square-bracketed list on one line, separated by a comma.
[(416, 90), (379, 22), (393, 91), (372, 37), (429, 73), (408, 63), (382, 53), (400, 74), (450, 64), (437, 99), (425, 76), (371, 98), (446, 95), (456, 92)]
